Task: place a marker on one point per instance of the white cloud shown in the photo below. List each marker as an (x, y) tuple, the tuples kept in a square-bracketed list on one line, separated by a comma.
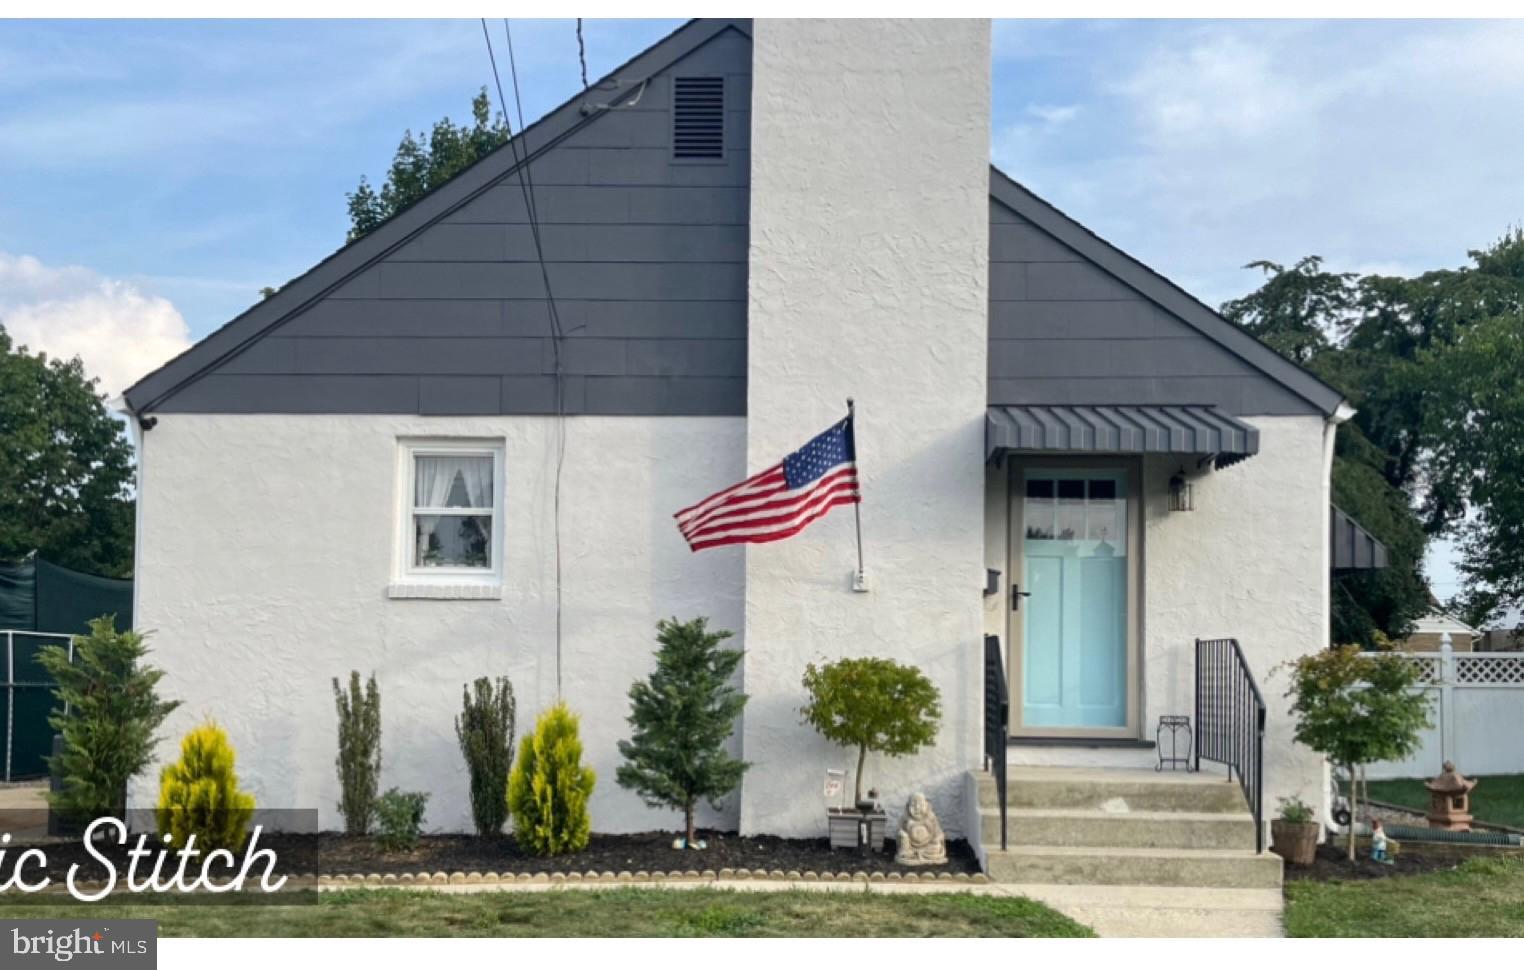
[(1201, 147), (1053, 114), (120, 332)]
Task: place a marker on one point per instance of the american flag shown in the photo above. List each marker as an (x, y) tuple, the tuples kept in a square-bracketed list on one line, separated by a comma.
[(779, 502)]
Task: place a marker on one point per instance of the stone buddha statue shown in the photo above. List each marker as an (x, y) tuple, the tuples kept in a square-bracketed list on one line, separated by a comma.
[(920, 840)]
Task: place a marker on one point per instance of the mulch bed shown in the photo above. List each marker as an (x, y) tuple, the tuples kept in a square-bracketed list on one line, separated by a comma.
[(1332, 862), (332, 853), (648, 851)]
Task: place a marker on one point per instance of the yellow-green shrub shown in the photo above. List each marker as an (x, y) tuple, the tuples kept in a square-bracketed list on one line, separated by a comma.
[(198, 795), (549, 787)]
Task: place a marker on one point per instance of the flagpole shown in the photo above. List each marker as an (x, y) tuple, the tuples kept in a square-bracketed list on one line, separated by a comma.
[(861, 583)]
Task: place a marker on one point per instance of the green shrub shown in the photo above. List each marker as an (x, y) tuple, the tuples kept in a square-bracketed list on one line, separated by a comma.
[(1294, 810), (872, 704), (682, 715), (359, 759), (199, 796), (399, 819), (549, 787), (485, 729), (107, 709)]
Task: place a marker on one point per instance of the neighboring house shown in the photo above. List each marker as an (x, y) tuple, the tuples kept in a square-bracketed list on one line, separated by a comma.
[(1430, 630), (742, 226)]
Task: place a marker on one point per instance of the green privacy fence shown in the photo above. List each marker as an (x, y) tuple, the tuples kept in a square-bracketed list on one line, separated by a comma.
[(27, 699)]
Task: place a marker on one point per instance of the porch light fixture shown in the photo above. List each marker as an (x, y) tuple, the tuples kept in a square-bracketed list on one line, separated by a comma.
[(1182, 495)]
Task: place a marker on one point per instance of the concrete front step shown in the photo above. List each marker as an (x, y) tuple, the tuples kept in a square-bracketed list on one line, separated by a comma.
[(1115, 866), (1114, 790), (1167, 911), (1144, 830)]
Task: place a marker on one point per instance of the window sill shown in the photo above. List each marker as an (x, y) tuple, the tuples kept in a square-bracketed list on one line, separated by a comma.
[(445, 591)]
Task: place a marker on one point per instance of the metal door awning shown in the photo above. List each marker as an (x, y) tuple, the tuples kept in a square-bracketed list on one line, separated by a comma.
[(1350, 546), (1120, 429)]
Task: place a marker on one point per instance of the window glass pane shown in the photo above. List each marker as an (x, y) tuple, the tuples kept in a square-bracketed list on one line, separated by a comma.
[(1071, 508), (452, 482), (1039, 488), (452, 540)]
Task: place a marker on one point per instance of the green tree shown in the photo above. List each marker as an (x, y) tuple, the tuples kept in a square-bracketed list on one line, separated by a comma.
[(484, 728), (1357, 708), (549, 787), (872, 704), (199, 794), (359, 757), (1475, 426), (420, 166), (65, 466), (107, 710), (682, 716), (1295, 309)]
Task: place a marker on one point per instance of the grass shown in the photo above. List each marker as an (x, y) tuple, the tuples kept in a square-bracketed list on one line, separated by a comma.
[(1497, 798), (599, 913), (1482, 897)]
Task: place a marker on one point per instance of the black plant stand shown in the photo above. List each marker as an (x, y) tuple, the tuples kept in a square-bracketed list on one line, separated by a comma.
[(1174, 728)]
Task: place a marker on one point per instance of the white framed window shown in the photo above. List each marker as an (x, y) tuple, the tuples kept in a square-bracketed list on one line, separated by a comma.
[(450, 527)]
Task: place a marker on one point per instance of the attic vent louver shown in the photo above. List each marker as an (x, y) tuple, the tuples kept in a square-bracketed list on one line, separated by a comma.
[(698, 117)]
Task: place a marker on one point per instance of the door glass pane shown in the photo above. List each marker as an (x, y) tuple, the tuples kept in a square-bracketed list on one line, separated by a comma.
[(1039, 509), (1071, 509)]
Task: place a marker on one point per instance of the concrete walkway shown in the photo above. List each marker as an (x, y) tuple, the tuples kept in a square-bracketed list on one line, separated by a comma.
[(1112, 911)]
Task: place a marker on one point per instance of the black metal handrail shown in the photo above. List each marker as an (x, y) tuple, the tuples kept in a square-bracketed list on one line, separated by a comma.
[(1230, 722), (997, 722)]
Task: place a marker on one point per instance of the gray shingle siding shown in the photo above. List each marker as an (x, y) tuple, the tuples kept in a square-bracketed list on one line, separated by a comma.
[(1064, 331), (647, 264)]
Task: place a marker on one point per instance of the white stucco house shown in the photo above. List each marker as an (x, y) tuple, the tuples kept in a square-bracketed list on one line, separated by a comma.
[(454, 448)]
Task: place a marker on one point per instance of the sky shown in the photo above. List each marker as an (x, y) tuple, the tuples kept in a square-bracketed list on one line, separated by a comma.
[(155, 175)]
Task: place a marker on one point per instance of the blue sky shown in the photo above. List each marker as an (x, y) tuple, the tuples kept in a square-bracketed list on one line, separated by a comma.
[(154, 175)]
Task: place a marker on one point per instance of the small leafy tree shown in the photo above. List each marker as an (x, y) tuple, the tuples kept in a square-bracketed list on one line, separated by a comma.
[(485, 730), (682, 715), (549, 787), (1357, 708), (108, 709), (359, 759), (872, 704), (198, 795)]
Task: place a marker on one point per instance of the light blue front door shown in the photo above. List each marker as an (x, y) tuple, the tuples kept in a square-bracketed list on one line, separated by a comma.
[(1074, 621)]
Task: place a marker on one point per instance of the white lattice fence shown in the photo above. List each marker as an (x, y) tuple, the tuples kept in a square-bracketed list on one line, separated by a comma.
[(1478, 715)]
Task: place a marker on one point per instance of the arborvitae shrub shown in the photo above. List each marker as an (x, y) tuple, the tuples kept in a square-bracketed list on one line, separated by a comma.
[(198, 795), (113, 709), (485, 729), (549, 787), (359, 760)]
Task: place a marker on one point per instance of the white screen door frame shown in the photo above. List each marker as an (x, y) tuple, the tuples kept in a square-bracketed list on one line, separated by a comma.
[(1131, 470)]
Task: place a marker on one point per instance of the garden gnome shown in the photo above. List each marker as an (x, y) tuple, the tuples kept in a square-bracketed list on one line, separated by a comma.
[(920, 841), (1450, 800), (1378, 843)]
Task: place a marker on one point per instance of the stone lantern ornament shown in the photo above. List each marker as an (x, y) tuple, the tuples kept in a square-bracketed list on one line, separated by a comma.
[(1450, 800)]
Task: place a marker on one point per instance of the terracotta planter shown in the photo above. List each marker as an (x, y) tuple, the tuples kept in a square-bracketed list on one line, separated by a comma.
[(1296, 842)]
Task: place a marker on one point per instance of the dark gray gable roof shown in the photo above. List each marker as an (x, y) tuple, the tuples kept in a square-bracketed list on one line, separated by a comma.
[(1156, 289), (306, 291)]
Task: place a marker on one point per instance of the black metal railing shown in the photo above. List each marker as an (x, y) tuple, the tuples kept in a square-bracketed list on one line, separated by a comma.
[(1230, 722), (997, 722)]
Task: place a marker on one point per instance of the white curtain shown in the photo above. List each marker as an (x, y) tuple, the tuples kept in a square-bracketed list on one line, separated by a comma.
[(436, 476), (477, 473), (433, 480)]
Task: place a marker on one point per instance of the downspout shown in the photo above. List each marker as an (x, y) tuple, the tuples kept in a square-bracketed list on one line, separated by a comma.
[(1340, 414)]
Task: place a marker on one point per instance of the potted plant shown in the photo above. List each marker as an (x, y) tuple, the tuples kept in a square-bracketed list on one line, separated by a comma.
[(871, 704), (1294, 832)]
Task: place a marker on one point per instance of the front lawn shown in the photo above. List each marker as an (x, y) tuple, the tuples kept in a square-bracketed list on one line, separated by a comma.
[(616, 912), (1497, 798), (1482, 897)]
